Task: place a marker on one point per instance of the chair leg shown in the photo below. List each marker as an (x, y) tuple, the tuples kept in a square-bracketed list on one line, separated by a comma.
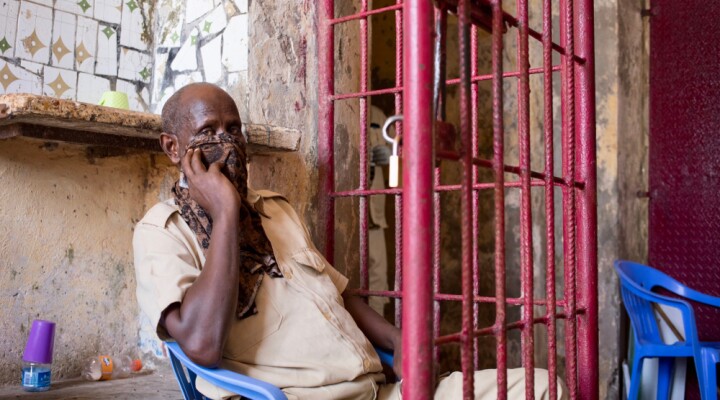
[(665, 377), (635, 377), (706, 373)]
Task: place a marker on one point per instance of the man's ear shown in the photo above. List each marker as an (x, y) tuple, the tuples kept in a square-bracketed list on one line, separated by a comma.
[(170, 146)]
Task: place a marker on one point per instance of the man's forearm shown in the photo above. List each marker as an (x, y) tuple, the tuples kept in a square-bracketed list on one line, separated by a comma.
[(200, 323)]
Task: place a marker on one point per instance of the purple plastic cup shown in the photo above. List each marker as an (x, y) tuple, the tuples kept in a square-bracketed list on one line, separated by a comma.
[(39, 347)]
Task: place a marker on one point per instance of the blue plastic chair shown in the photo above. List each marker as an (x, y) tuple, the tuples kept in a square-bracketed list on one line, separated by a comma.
[(637, 282), (243, 385)]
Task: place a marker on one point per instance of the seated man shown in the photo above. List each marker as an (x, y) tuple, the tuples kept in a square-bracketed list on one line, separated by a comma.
[(232, 275)]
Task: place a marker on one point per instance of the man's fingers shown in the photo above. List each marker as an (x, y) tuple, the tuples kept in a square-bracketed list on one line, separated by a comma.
[(197, 164), (215, 167), (185, 163)]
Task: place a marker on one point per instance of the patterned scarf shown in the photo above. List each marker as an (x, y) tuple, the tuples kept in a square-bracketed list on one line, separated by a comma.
[(256, 254)]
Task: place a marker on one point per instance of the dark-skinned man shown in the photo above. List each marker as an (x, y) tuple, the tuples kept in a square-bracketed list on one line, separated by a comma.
[(232, 275)]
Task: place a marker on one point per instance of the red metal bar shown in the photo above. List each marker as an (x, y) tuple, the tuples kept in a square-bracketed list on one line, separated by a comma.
[(326, 126), (526, 255), (569, 215), (514, 74), (466, 199), (498, 169), (491, 330), (363, 147), (549, 199), (365, 13), (399, 132), (588, 382), (475, 194), (355, 95), (418, 194)]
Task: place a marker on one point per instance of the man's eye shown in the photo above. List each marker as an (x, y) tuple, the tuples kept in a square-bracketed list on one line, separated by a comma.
[(375, 125), (236, 130), (206, 131)]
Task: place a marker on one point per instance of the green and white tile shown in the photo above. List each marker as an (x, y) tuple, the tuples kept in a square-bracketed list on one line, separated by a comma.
[(214, 22), (197, 8), (79, 7), (132, 33), (186, 57), (34, 33), (107, 53), (8, 26), (134, 65), (137, 100)]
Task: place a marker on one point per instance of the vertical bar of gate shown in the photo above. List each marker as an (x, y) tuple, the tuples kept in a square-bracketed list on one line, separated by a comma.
[(466, 200), (549, 197), (326, 128), (499, 197), (417, 181), (364, 274), (569, 218), (587, 205), (475, 194), (399, 133), (526, 256)]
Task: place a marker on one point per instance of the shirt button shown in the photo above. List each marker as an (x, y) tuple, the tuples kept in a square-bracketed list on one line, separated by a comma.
[(288, 274), (366, 364)]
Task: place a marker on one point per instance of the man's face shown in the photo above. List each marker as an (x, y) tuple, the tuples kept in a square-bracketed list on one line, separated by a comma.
[(207, 110)]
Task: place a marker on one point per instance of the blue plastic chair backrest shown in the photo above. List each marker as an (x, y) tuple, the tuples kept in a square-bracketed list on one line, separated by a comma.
[(637, 283)]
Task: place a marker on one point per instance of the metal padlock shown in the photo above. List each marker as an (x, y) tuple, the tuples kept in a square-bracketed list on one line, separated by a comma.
[(394, 178)]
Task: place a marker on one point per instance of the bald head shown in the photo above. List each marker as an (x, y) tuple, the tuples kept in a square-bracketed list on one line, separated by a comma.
[(174, 112), (194, 109)]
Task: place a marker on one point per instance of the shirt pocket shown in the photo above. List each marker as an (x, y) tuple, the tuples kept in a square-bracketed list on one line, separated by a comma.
[(247, 333), (309, 258)]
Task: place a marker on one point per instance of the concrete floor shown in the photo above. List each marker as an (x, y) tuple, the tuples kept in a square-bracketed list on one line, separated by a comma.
[(158, 385)]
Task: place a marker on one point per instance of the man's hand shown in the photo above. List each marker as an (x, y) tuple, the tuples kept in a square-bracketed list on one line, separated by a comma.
[(209, 187), (380, 155), (397, 359)]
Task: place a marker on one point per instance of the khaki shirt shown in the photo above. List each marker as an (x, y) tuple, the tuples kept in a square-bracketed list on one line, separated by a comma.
[(302, 339)]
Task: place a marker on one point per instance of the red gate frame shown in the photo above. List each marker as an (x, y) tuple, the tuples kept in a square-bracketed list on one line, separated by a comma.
[(417, 224)]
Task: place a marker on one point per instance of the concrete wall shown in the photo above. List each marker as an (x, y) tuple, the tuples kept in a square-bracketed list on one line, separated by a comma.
[(66, 222)]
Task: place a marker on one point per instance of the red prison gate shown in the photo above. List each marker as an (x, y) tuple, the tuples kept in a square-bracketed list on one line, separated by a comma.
[(418, 23)]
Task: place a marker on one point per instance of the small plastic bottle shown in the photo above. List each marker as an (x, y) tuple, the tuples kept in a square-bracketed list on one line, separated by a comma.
[(104, 367), (35, 376)]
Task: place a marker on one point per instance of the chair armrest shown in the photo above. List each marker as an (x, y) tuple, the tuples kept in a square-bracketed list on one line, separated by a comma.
[(386, 357), (229, 380)]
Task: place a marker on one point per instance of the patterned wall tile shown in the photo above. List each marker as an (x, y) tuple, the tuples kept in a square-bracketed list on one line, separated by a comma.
[(32, 41), (235, 51), (80, 7), (63, 44), (48, 3), (35, 68), (90, 88), (86, 44), (135, 99), (170, 31), (158, 77), (108, 10), (14, 79), (59, 83), (214, 22), (107, 56), (134, 65), (186, 57), (132, 25), (197, 8), (212, 68), (186, 79), (8, 26)]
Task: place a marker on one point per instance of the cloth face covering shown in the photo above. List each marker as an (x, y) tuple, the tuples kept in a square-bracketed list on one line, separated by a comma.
[(256, 254)]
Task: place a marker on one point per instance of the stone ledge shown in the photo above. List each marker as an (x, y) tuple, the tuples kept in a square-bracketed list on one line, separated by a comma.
[(48, 118)]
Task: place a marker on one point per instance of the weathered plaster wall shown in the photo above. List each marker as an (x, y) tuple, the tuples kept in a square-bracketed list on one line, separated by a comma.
[(66, 224)]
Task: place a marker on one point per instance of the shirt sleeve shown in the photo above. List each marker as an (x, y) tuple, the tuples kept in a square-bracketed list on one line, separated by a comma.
[(164, 270)]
